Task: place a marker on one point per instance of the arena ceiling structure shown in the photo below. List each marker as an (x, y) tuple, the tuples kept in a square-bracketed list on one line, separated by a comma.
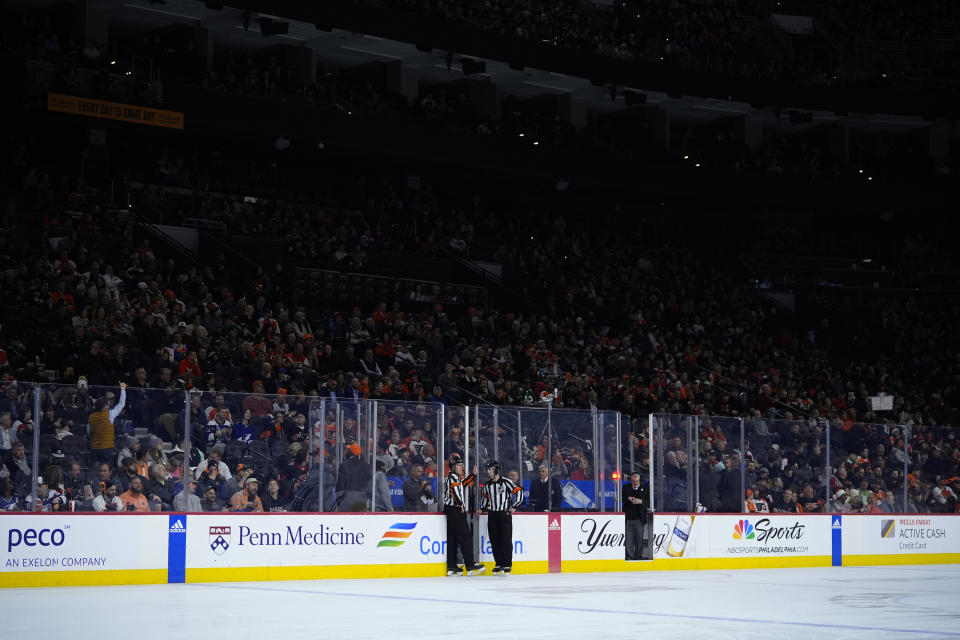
[(240, 26)]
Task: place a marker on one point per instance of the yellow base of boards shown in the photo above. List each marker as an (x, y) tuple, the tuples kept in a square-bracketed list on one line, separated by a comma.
[(82, 578), (920, 558), (689, 564), (347, 571), (431, 570), (695, 564)]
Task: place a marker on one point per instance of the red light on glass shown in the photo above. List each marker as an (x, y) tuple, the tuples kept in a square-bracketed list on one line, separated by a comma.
[(615, 475)]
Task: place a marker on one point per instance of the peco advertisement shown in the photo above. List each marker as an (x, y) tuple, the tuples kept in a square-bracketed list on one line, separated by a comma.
[(83, 543)]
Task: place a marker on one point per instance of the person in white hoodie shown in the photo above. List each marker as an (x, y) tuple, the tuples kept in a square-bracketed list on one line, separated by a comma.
[(108, 500)]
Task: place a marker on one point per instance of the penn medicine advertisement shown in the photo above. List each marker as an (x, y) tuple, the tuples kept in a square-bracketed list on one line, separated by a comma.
[(225, 540), (328, 540)]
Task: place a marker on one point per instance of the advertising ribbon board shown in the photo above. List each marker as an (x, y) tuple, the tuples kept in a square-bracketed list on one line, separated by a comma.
[(107, 110)]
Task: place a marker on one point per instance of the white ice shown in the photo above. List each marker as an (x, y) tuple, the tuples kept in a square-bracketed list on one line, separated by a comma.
[(835, 603)]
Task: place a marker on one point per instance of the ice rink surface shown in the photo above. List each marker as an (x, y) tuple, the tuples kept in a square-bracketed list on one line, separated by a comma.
[(835, 603)]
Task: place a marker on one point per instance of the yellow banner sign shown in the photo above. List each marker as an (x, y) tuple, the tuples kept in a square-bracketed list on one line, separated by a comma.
[(115, 111)]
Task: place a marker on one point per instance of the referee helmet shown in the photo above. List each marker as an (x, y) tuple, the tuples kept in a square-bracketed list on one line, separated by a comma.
[(493, 464)]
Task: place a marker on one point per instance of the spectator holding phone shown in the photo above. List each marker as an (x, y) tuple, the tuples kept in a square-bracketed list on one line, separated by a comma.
[(247, 499), (418, 493), (133, 498), (108, 500), (210, 502)]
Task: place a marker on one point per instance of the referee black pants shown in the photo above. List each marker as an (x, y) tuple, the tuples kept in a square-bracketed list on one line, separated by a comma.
[(458, 535), (500, 529)]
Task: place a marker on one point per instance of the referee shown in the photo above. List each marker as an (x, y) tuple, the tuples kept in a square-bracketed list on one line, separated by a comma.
[(455, 508), (501, 497)]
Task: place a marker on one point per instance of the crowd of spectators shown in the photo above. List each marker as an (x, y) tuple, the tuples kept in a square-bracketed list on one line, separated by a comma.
[(708, 36), (732, 36), (625, 325), (907, 38), (872, 468)]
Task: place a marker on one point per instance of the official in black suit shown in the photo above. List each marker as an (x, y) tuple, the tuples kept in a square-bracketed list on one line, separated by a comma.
[(635, 508)]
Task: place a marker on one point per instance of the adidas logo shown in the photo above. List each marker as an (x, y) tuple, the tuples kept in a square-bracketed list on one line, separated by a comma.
[(554, 525), (177, 527), (836, 523)]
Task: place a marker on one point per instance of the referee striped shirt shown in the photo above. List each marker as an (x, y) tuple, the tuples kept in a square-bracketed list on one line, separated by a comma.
[(454, 490), (501, 495)]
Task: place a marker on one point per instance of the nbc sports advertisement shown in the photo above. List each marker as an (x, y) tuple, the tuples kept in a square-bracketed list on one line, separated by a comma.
[(58, 545), (749, 535), (301, 540), (869, 535)]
